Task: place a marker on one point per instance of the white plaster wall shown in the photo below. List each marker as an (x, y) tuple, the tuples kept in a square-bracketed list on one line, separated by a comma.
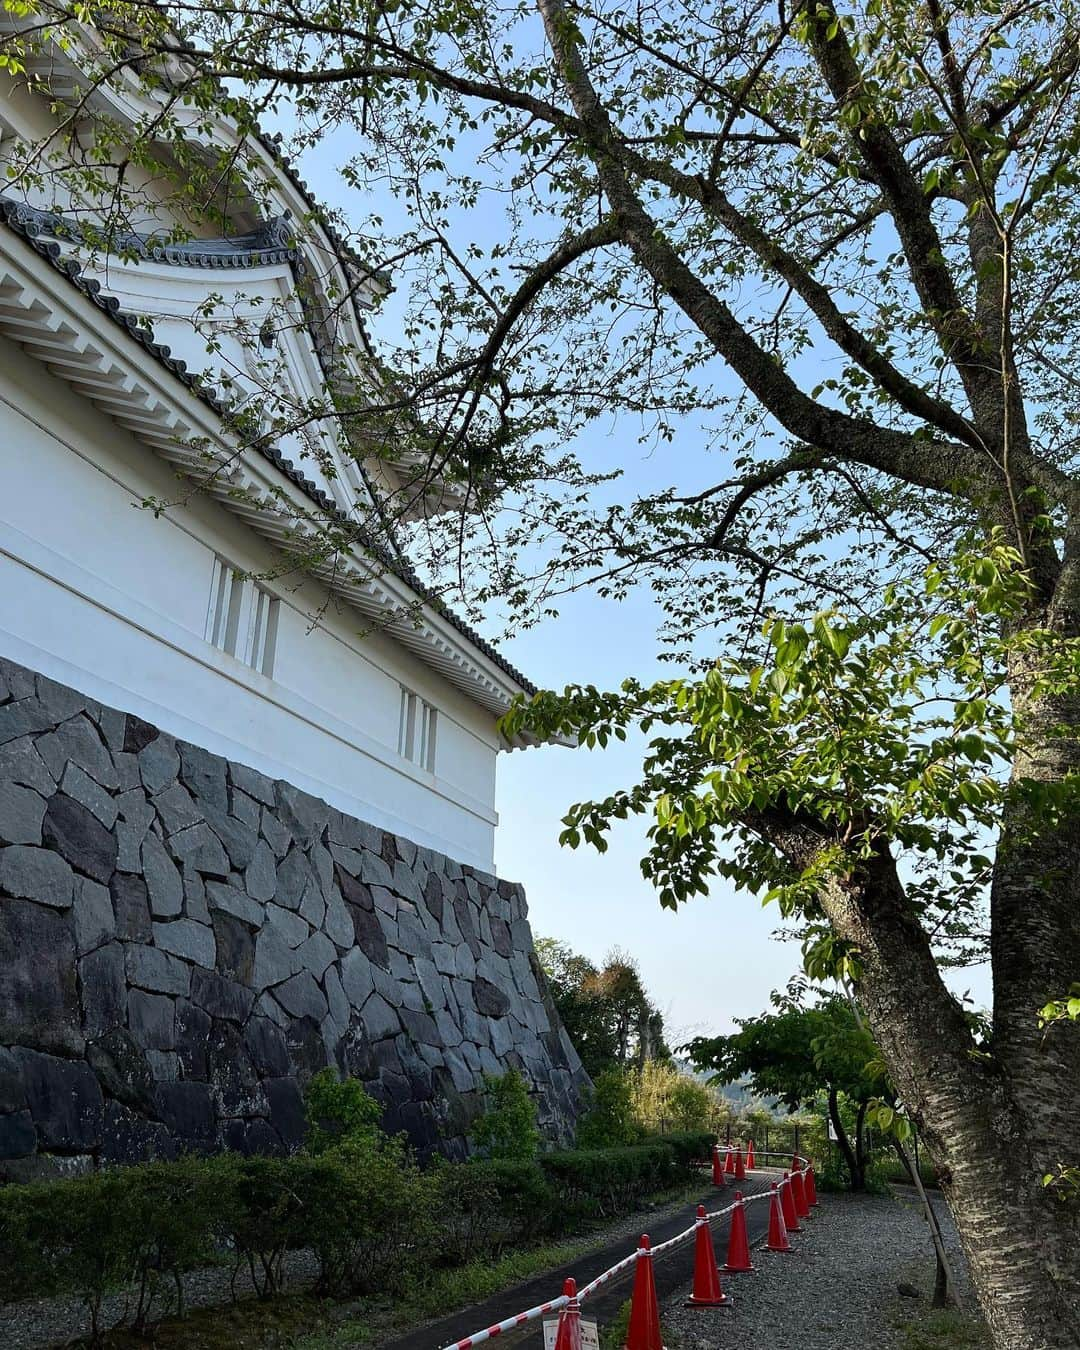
[(100, 594)]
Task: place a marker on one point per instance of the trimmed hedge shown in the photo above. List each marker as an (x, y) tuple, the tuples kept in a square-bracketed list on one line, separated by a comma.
[(363, 1207)]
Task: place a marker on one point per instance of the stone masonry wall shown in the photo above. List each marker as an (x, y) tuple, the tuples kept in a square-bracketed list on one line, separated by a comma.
[(183, 942)]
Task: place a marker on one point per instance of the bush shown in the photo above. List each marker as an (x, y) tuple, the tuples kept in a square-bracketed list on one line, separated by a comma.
[(609, 1120), (358, 1201), (601, 1182), (368, 1216), (489, 1204), (338, 1109), (507, 1128), (690, 1147)]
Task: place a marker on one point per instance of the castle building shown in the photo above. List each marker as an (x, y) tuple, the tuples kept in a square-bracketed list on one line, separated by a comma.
[(247, 758)]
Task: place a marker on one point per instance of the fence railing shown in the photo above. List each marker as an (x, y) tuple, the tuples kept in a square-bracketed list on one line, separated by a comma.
[(781, 1198)]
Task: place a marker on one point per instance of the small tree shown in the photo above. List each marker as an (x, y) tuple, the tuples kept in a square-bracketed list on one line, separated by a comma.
[(793, 1053), (507, 1127)]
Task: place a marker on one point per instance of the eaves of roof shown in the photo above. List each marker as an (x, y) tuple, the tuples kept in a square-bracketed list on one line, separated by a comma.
[(21, 221)]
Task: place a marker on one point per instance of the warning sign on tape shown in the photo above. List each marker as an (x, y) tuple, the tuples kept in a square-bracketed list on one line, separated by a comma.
[(590, 1336)]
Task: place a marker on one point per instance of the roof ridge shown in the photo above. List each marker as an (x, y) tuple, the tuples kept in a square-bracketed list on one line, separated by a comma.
[(25, 222)]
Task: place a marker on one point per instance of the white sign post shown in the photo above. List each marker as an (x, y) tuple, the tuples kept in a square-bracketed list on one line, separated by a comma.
[(590, 1336)]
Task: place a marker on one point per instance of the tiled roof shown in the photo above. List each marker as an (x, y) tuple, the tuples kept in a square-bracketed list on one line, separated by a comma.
[(26, 223)]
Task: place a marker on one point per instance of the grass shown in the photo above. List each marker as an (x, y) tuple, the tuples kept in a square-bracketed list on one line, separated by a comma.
[(938, 1328)]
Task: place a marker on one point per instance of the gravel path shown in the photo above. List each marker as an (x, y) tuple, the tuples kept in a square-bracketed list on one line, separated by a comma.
[(838, 1287), (38, 1323)]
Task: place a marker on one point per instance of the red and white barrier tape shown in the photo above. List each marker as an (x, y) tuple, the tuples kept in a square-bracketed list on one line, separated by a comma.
[(511, 1323), (478, 1337)]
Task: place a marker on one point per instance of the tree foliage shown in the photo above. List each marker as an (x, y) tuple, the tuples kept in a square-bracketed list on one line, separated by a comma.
[(605, 1009)]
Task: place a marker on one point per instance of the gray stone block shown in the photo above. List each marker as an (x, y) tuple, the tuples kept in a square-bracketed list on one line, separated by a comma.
[(39, 1003), (378, 1018), (275, 960), (239, 839), (65, 1101), (318, 953), (176, 808), (304, 816), (385, 900), (195, 906), (150, 968), (276, 834), (336, 1000), (152, 1020), (266, 1047), (449, 1033), (338, 921), (235, 902), (374, 872), (79, 837), (200, 848), (294, 875), (20, 763), (131, 908), (221, 997), (62, 703), (323, 865), (104, 990), (252, 782), (21, 812), (193, 1027), (292, 929), (26, 717), (300, 996), (203, 774), (186, 1109), (164, 885), (287, 1113), (420, 1026), (356, 977), (79, 785), (78, 741), (431, 982), (260, 878), (28, 873), (190, 941), (158, 763), (127, 772), (313, 907), (18, 1137), (245, 808)]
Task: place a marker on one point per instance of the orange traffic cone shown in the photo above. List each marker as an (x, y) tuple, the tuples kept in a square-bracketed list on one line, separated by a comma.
[(729, 1161), (643, 1331), (778, 1239), (717, 1167), (798, 1191), (750, 1164), (740, 1170), (738, 1246), (787, 1204), (568, 1336), (707, 1292), (811, 1186)]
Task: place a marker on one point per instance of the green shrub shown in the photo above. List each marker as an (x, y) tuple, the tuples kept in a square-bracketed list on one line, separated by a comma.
[(368, 1216), (690, 1147), (609, 1119), (259, 1212), (602, 1182), (338, 1109), (507, 1127)]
